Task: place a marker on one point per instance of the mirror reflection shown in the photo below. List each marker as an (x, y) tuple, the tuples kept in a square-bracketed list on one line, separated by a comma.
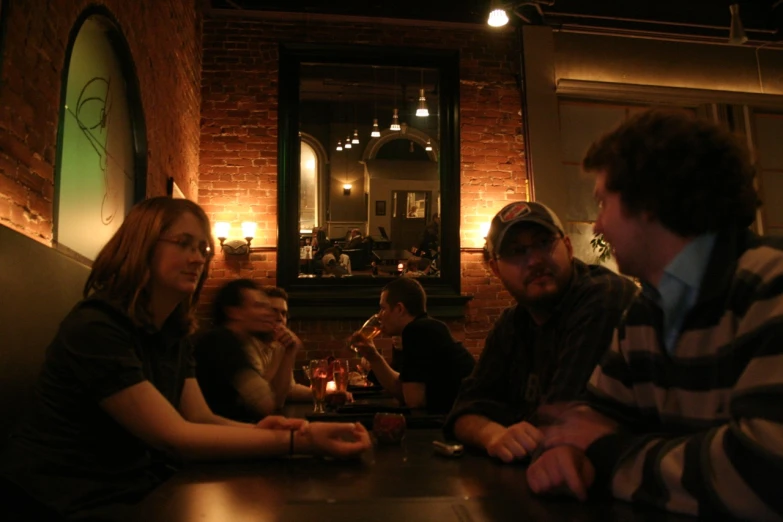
[(370, 188)]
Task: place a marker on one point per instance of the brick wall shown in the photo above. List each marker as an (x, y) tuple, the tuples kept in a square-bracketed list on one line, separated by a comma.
[(165, 41), (238, 168)]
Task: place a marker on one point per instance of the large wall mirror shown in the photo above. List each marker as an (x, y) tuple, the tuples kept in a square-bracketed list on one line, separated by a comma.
[(369, 174)]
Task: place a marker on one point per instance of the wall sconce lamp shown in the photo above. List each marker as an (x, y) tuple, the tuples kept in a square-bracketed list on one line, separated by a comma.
[(347, 189), (484, 230), (235, 247)]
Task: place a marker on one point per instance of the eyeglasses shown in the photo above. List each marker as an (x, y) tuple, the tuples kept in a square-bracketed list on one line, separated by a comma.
[(519, 254), (189, 243)]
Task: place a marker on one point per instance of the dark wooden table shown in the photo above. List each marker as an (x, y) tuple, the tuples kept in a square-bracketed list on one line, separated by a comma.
[(400, 483)]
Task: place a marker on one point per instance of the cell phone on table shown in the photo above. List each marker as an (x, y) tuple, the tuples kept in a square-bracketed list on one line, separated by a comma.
[(448, 449)]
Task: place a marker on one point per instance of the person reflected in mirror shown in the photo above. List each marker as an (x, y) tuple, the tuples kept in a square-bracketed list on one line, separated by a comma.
[(335, 263), (543, 348), (683, 412), (319, 243), (429, 243), (433, 363), (117, 402), (354, 240), (419, 267)]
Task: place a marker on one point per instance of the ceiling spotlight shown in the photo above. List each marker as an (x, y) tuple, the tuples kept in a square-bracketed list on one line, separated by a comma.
[(497, 14)]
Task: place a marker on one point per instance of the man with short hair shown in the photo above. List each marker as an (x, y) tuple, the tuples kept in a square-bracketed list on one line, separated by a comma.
[(684, 412), (433, 363), (278, 302), (542, 349), (232, 384)]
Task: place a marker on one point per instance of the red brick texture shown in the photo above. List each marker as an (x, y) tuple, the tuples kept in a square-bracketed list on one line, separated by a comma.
[(164, 38), (238, 167)]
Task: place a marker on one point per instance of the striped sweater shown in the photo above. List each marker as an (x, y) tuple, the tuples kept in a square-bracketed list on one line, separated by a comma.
[(702, 429)]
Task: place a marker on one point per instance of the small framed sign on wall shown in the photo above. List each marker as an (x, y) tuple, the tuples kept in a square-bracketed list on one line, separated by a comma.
[(380, 208)]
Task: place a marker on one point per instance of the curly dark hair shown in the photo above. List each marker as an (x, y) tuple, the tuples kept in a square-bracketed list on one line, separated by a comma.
[(690, 174)]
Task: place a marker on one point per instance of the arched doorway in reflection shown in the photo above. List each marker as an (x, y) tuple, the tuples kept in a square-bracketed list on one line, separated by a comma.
[(312, 162)]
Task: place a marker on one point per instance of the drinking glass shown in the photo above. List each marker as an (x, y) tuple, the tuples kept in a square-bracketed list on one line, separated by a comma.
[(340, 370), (369, 330), (319, 375)]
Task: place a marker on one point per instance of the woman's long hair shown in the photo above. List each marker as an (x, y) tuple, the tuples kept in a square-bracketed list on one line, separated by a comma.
[(121, 272)]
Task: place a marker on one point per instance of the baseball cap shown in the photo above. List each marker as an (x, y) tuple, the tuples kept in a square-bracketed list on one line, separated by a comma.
[(520, 212)]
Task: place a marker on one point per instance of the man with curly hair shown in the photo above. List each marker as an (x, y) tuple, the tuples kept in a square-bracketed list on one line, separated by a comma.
[(683, 413)]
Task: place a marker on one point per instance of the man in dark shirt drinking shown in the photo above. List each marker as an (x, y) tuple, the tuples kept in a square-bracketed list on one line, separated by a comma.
[(433, 363), (544, 348)]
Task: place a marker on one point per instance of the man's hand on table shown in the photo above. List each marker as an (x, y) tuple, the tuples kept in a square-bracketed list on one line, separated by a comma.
[(514, 442), (561, 470)]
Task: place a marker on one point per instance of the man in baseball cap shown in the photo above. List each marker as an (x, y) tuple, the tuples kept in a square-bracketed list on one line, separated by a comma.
[(544, 348)]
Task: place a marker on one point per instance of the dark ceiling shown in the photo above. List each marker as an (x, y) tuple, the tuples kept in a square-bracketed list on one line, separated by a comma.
[(762, 19)]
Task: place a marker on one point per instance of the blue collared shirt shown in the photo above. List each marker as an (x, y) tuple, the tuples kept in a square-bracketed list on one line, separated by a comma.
[(679, 286)]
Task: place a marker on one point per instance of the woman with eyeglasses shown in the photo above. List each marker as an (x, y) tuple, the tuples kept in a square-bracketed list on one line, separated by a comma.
[(117, 400)]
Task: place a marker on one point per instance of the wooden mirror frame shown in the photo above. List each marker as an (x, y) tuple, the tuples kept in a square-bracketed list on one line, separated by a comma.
[(358, 296)]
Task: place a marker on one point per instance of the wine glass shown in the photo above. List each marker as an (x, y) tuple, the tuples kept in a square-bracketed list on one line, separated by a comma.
[(319, 375), (369, 330)]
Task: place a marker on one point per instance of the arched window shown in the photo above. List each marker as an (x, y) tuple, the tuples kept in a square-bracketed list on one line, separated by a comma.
[(101, 157), (308, 195)]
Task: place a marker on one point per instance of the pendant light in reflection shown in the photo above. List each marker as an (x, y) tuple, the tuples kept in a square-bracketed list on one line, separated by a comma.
[(421, 110), (395, 124), (376, 132), (428, 146), (339, 145), (348, 142)]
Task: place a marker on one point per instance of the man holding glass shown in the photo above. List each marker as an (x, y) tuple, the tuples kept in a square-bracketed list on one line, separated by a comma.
[(433, 363), (544, 348)]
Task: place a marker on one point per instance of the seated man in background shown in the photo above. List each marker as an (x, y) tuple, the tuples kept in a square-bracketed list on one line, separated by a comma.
[(543, 348), (278, 302), (226, 365), (354, 239), (433, 363)]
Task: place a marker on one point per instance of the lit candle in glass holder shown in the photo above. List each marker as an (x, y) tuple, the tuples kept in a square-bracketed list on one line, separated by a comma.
[(331, 387)]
